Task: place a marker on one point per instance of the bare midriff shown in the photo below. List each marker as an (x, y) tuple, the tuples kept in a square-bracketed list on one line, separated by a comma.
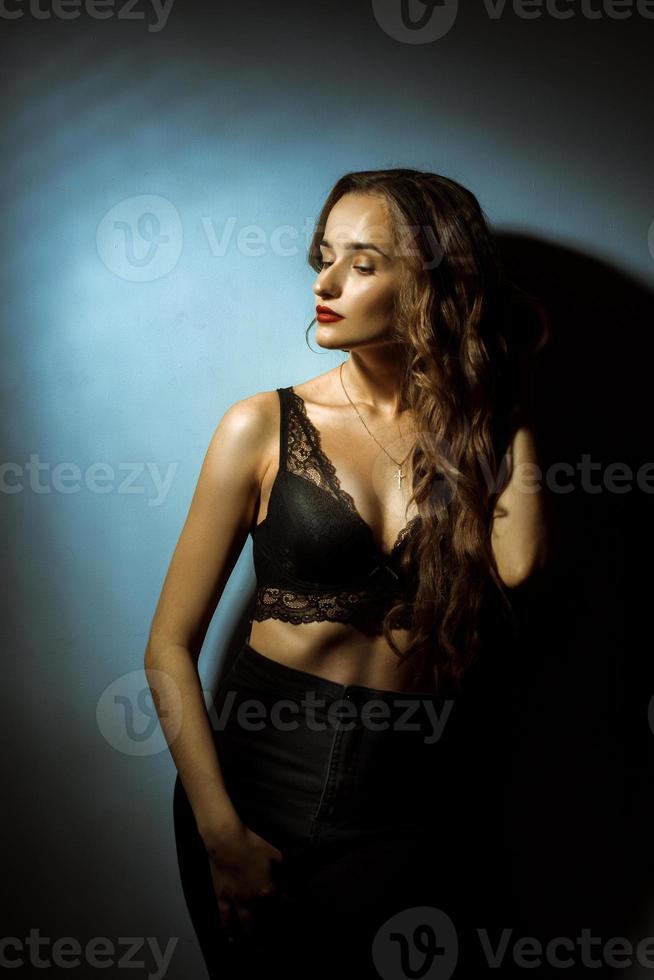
[(337, 652)]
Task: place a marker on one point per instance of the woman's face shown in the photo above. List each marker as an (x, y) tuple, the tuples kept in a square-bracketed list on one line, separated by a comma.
[(357, 282)]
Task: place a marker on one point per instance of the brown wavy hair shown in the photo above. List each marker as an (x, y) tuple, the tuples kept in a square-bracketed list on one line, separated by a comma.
[(463, 325)]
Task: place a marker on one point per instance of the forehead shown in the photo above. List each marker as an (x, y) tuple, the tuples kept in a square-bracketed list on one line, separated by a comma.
[(359, 218)]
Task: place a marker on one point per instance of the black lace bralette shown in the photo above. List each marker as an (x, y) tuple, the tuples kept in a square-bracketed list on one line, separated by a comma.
[(315, 558)]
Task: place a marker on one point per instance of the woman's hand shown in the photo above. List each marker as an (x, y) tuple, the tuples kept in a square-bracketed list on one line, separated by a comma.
[(242, 869)]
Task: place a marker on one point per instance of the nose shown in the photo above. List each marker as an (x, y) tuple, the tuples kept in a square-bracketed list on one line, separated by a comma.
[(326, 284)]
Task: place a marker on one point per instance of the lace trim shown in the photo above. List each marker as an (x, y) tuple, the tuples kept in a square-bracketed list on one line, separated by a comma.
[(305, 457), (348, 607)]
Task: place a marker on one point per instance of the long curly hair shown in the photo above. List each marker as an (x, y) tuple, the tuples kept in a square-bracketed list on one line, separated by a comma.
[(463, 326)]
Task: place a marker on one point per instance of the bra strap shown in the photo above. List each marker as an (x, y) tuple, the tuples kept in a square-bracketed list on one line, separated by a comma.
[(283, 426)]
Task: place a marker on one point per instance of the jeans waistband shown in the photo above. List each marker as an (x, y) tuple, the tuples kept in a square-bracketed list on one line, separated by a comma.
[(272, 674)]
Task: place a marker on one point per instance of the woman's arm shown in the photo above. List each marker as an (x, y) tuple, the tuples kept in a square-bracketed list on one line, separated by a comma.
[(219, 518), (519, 532)]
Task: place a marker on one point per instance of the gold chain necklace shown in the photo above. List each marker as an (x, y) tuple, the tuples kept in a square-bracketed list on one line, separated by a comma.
[(400, 475)]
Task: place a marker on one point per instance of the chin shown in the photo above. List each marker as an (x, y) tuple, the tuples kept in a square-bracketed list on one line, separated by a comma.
[(329, 343)]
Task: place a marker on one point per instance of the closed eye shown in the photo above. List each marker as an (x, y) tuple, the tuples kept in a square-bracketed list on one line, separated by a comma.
[(361, 268)]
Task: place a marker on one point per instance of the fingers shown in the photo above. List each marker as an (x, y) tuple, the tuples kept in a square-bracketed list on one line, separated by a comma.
[(237, 918), (225, 913), (244, 917), (233, 923)]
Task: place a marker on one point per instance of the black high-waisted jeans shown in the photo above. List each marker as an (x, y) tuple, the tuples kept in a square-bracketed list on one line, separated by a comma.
[(366, 794)]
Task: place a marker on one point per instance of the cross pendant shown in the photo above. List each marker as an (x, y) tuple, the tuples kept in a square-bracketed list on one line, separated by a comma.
[(400, 477)]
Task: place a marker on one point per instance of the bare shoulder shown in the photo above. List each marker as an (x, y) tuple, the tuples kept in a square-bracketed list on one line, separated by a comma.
[(253, 416), (246, 434)]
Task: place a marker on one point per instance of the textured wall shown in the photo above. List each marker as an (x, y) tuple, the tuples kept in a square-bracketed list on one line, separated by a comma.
[(137, 307)]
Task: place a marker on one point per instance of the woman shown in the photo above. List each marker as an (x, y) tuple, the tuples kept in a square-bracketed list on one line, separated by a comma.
[(385, 525)]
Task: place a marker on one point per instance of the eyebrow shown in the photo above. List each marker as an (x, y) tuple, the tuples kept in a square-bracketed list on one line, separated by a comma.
[(357, 246)]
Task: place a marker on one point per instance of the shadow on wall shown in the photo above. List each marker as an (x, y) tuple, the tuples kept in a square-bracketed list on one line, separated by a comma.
[(578, 805), (582, 794)]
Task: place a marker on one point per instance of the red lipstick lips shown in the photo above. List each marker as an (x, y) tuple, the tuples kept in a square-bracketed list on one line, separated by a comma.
[(325, 315)]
